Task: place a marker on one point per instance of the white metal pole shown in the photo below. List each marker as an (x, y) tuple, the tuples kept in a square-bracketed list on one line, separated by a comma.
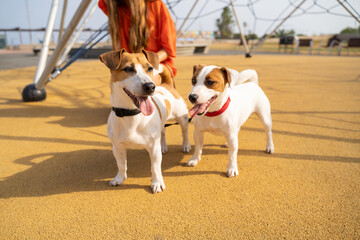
[(40, 84), (281, 23), (45, 45), (185, 20), (62, 19), (21, 39), (247, 54), (77, 34), (28, 18), (348, 11)]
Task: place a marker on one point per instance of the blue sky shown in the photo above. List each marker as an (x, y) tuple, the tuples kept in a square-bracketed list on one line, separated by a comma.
[(316, 21)]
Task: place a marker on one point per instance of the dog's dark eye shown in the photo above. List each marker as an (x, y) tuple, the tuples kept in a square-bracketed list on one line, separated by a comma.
[(129, 69), (210, 82), (193, 81), (150, 69)]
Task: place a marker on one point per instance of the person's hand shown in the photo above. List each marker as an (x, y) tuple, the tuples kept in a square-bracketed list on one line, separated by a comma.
[(162, 54)]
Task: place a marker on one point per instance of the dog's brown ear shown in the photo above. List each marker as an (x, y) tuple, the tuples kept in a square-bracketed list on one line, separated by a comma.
[(152, 58), (197, 67), (112, 59), (226, 74)]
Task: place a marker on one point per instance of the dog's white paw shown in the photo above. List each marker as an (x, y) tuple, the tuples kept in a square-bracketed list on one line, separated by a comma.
[(270, 149), (117, 181), (232, 172), (192, 163), (157, 186), (186, 148)]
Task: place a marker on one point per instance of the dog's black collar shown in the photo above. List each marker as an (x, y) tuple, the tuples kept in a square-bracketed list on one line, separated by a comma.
[(123, 112)]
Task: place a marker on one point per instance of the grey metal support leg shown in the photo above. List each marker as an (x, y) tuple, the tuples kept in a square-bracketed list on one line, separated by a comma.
[(30, 92), (36, 91), (243, 39)]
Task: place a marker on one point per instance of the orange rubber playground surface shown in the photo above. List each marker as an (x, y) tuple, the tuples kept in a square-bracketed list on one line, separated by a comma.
[(56, 160)]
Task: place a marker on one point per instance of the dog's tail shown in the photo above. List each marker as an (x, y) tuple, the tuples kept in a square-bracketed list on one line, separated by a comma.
[(248, 75)]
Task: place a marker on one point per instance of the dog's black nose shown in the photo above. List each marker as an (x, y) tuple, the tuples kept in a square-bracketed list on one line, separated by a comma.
[(193, 98), (149, 87)]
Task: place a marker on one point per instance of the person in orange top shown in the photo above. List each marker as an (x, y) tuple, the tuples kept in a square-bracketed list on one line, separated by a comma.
[(137, 24)]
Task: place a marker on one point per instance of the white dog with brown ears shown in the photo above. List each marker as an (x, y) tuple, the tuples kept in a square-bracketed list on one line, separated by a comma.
[(222, 104), (140, 110)]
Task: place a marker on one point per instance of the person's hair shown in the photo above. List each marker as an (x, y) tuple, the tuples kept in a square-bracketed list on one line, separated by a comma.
[(139, 30)]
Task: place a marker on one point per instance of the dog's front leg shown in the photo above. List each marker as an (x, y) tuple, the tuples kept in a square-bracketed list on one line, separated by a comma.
[(184, 123), (232, 168), (119, 152), (157, 181), (199, 142), (164, 147)]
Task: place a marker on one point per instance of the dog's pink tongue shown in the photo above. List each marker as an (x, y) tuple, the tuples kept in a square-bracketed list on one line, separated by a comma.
[(146, 106), (198, 108)]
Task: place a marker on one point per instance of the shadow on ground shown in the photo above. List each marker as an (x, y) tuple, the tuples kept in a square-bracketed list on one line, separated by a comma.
[(79, 171), (90, 170), (72, 117)]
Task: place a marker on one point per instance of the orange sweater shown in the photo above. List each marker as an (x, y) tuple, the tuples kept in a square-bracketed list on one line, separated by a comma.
[(162, 33)]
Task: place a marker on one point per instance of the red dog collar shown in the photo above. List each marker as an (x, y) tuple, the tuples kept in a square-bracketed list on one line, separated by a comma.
[(220, 111)]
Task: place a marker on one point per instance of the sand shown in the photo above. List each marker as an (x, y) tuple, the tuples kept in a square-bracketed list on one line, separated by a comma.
[(56, 160)]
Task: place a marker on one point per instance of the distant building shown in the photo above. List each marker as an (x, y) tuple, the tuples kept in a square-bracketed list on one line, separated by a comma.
[(2, 41)]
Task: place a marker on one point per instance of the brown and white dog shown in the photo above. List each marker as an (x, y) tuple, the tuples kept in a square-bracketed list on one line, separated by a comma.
[(140, 110), (222, 103)]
